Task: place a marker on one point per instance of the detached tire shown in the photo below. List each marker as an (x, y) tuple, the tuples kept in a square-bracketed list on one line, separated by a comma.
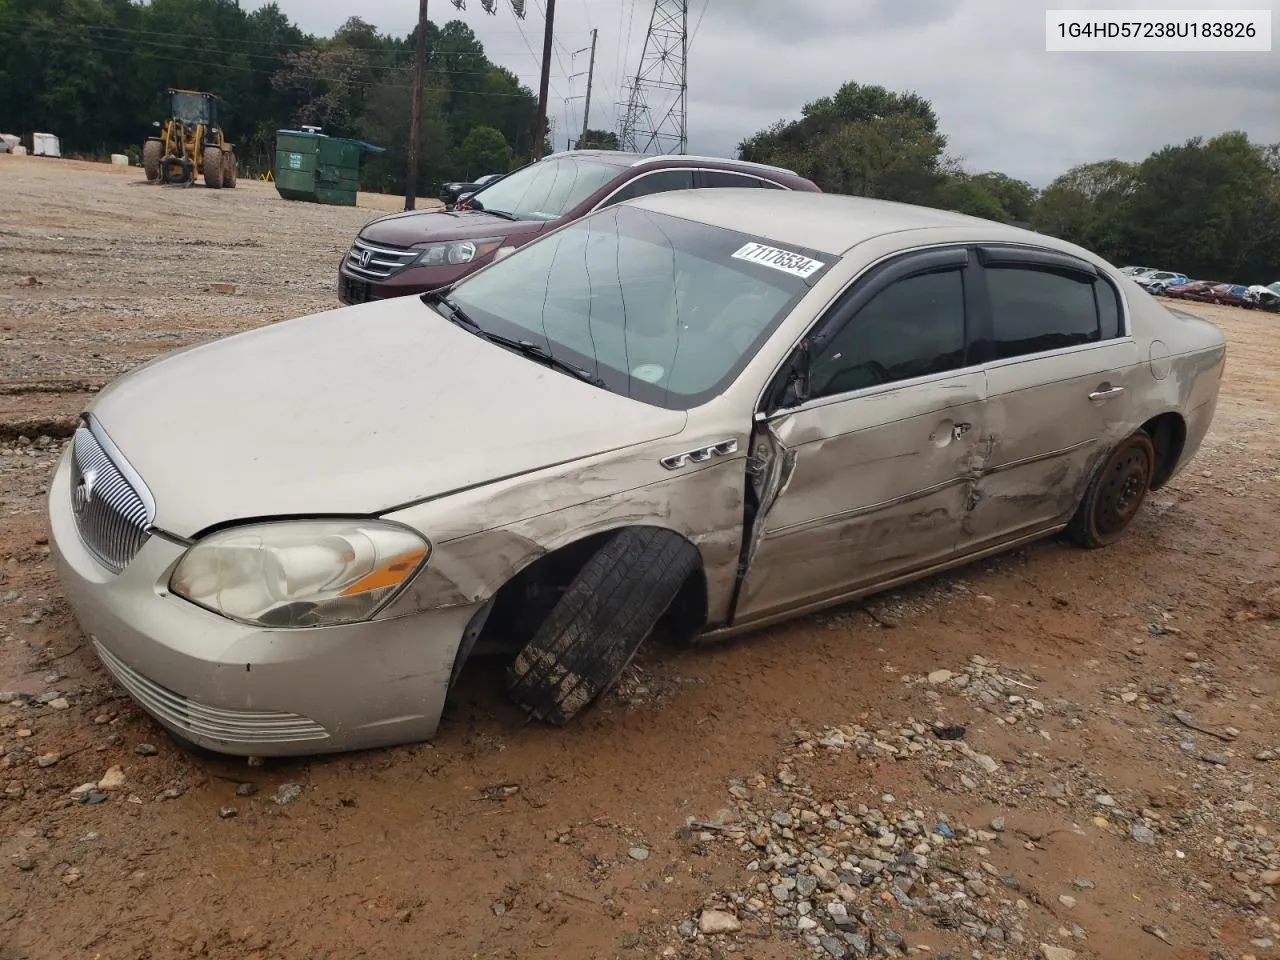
[(211, 161), (600, 622), (229, 171), (1115, 494), (152, 153)]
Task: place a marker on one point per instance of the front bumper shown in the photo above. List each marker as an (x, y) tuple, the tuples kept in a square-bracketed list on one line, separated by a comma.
[(245, 690)]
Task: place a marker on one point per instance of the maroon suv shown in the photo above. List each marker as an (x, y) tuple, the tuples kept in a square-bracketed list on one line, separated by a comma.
[(417, 251)]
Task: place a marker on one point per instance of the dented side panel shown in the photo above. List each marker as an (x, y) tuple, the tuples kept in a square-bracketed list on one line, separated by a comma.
[(483, 537), (1046, 422), (867, 486)]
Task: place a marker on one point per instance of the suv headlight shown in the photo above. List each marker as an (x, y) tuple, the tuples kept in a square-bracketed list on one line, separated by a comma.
[(300, 573), (457, 251)]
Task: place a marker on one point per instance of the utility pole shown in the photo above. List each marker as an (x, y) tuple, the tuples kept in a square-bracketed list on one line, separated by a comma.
[(591, 69), (655, 116), (415, 119), (540, 128)]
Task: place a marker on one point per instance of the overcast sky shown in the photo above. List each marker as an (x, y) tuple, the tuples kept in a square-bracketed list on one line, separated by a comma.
[(1003, 101)]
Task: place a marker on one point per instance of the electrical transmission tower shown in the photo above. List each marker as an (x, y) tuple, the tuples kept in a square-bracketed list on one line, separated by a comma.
[(655, 116)]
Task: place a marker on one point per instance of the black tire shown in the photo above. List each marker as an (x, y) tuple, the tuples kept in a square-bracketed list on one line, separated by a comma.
[(1115, 494), (211, 163), (229, 171), (597, 626), (152, 152)]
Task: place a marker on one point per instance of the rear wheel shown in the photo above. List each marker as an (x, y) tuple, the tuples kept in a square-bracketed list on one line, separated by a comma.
[(211, 161), (1116, 493), (229, 171), (152, 152), (596, 627)]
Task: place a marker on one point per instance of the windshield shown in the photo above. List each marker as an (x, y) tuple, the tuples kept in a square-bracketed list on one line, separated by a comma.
[(547, 189), (1275, 287), (658, 308), (190, 108)]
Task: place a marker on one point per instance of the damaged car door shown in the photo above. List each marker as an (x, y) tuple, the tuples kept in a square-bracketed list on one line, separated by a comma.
[(1059, 385), (866, 441)]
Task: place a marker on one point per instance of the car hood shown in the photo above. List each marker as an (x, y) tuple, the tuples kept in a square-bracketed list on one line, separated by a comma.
[(425, 226), (353, 411)]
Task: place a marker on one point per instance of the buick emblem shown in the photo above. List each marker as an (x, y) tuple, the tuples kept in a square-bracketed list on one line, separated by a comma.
[(84, 491)]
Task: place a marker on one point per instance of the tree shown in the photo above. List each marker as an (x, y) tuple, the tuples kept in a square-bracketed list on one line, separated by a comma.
[(599, 140), (485, 150), (865, 140), (1087, 205)]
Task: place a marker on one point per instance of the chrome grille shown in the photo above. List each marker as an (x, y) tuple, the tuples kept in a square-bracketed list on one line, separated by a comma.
[(212, 723), (112, 513), (378, 262)]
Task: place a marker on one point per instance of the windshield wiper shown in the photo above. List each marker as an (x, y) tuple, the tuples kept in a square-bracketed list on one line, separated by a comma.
[(535, 352), (455, 314), (498, 213)]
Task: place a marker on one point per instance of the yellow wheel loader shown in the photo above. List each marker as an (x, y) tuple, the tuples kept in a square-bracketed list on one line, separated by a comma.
[(190, 144)]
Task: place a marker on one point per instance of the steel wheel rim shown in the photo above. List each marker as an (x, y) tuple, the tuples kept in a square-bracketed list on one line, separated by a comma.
[(1122, 491)]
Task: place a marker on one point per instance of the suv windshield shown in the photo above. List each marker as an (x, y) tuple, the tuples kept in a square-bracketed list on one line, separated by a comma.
[(547, 189), (658, 308)]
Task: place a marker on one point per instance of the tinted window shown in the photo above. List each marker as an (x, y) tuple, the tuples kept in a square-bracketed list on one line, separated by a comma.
[(662, 309), (660, 181), (722, 178), (912, 328), (1037, 310)]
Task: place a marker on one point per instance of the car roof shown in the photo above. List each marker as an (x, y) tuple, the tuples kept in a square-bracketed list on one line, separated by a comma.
[(623, 158), (832, 223)]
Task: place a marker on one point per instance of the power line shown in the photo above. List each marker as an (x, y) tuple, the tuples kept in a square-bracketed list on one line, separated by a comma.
[(694, 35)]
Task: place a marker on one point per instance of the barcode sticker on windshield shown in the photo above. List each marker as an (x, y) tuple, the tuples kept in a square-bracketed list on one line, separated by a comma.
[(784, 260)]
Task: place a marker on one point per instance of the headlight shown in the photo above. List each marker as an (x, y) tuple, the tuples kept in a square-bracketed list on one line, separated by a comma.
[(457, 251), (300, 573)]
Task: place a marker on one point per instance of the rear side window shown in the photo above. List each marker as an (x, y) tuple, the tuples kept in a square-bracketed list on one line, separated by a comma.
[(1035, 310), (722, 178), (660, 181)]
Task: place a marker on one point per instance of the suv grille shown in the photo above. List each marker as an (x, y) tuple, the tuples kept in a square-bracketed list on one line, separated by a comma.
[(112, 516), (378, 262)]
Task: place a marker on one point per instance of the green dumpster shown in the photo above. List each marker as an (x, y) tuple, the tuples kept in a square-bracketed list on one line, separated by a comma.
[(318, 168)]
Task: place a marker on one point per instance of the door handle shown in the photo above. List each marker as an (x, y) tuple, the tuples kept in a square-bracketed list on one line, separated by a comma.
[(1105, 392)]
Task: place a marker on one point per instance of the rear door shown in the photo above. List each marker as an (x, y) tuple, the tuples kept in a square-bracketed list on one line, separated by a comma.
[(866, 476), (1059, 377)]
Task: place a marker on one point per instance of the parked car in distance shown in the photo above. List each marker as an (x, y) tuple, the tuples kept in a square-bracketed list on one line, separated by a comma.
[(1159, 281), (1262, 298), (456, 190), (1191, 290), (406, 253), (1231, 294), (718, 409), (1136, 272)]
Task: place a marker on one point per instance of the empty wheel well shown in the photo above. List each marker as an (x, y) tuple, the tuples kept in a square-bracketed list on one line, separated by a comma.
[(1168, 434), (524, 601)]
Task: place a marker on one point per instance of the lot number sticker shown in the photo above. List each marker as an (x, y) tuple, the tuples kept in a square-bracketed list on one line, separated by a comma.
[(784, 260), (295, 161)]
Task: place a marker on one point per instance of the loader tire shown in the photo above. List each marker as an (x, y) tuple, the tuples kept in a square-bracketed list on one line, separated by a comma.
[(152, 153), (229, 171), (211, 161), (597, 626)]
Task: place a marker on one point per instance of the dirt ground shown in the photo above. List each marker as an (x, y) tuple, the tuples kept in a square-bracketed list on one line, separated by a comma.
[(1109, 785)]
